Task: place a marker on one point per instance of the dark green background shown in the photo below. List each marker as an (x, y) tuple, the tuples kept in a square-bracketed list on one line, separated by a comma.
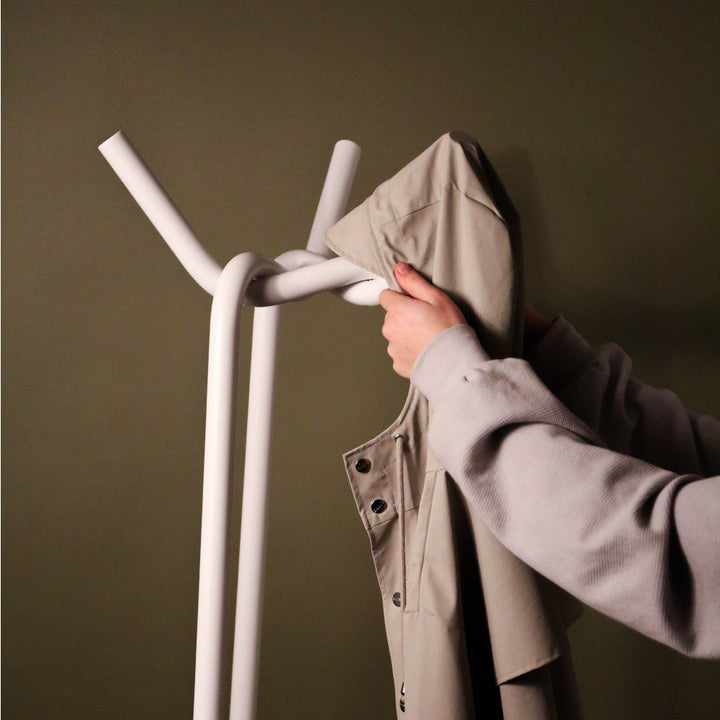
[(602, 119)]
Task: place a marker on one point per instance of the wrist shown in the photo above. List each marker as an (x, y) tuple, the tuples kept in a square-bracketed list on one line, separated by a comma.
[(536, 325), (445, 360)]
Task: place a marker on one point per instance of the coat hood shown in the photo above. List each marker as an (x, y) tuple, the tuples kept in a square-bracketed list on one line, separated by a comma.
[(399, 223)]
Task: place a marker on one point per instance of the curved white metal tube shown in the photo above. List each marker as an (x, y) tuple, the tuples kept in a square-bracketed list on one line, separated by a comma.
[(307, 280), (335, 193), (363, 293), (253, 527), (218, 478), (177, 233), (217, 487), (160, 209), (258, 451), (363, 290), (248, 279)]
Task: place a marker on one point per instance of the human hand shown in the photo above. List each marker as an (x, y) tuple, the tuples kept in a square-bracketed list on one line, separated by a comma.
[(412, 322), (535, 327)]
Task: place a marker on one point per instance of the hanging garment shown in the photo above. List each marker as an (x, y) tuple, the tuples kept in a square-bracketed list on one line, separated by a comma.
[(472, 631)]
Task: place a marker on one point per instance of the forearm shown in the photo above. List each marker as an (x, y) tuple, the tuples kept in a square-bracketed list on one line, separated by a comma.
[(633, 540)]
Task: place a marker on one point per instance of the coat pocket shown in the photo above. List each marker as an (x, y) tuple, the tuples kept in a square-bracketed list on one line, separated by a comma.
[(435, 576), (418, 541)]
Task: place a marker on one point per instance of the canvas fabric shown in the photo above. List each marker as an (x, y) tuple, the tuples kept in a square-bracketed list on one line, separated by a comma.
[(473, 632)]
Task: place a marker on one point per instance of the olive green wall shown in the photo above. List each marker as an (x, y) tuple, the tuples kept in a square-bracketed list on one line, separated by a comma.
[(603, 120)]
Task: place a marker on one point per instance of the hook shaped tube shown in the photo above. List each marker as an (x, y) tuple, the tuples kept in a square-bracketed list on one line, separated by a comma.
[(335, 193), (161, 210)]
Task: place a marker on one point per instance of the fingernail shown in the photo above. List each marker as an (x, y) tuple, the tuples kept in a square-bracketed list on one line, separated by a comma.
[(402, 268)]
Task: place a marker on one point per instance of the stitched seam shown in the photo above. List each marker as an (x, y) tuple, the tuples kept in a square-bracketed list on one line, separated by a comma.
[(407, 214), (422, 563), (490, 209), (382, 522), (397, 221), (384, 468), (380, 574), (411, 401), (346, 253), (374, 245)]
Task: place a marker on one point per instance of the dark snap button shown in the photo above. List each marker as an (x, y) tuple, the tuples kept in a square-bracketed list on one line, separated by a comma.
[(396, 599), (363, 465), (378, 506)]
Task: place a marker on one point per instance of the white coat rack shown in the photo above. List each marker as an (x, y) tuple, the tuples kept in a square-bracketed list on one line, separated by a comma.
[(249, 279)]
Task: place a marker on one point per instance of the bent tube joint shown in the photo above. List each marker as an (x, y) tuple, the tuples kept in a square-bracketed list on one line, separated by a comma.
[(292, 282)]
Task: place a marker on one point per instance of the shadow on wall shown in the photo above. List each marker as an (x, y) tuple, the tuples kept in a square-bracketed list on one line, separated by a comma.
[(682, 322), (515, 167)]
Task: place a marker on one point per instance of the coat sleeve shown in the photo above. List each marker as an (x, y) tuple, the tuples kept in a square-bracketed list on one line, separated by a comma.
[(635, 540)]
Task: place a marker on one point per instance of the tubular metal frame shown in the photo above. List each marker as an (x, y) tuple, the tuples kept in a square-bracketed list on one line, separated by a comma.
[(249, 279)]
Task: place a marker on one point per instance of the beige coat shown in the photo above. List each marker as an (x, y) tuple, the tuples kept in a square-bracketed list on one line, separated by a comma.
[(472, 631)]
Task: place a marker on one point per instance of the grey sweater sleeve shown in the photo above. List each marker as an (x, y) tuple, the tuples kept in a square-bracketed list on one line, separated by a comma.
[(631, 417), (636, 539)]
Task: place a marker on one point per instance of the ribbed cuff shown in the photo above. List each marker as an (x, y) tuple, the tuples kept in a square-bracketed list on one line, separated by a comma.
[(559, 354), (446, 359)]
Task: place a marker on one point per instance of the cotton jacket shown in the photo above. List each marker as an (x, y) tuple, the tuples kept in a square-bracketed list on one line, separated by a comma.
[(473, 631), (605, 485)]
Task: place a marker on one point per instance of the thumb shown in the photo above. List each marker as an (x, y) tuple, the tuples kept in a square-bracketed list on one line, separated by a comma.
[(414, 283)]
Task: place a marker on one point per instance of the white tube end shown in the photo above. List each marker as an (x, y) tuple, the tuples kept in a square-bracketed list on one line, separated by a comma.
[(110, 141)]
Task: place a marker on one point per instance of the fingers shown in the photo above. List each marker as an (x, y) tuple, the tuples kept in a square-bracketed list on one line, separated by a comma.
[(389, 298), (385, 298), (414, 316), (415, 284)]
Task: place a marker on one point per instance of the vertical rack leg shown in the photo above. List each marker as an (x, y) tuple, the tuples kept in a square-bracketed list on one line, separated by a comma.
[(218, 478), (258, 447)]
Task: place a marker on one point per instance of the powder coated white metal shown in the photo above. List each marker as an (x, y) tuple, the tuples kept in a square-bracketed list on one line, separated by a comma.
[(248, 279), (339, 275), (335, 193), (251, 560), (218, 477), (315, 275), (161, 210)]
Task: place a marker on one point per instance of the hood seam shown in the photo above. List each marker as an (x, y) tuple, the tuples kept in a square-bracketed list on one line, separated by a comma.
[(389, 276)]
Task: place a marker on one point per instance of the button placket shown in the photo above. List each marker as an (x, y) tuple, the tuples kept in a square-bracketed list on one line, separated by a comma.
[(372, 468), (374, 496)]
